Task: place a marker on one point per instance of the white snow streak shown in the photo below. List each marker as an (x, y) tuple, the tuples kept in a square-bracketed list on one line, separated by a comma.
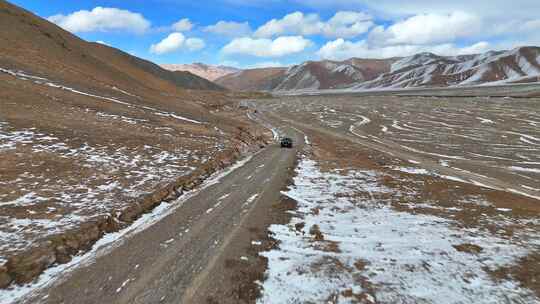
[(409, 258)]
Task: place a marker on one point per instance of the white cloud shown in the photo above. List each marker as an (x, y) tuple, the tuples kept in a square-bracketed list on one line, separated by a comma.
[(347, 24), (172, 43), (479, 47), (392, 8), (531, 25), (413, 24), (344, 24), (102, 19), (295, 23), (175, 42), (265, 64), (427, 29), (183, 25), (195, 44), (230, 28), (341, 49), (263, 47)]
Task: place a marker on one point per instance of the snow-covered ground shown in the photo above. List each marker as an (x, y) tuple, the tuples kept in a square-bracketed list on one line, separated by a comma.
[(495, 138), (108, 178), (346, 243), (54, 179), (110, 241)]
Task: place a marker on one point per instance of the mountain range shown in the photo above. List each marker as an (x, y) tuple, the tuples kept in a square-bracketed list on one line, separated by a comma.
[(210, 72), (519, 65)]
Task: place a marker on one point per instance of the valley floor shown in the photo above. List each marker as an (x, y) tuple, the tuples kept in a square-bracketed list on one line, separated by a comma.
[(408, 200), (382, 200)]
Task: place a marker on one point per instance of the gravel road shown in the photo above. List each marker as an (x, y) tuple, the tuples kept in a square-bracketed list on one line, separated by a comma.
[(168, 261)]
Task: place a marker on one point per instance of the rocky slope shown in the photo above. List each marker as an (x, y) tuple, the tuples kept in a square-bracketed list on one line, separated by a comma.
[(92, 137), (210, 72), (310, 75), (429, 70), (422, 70), (332, 74), (262, 79)]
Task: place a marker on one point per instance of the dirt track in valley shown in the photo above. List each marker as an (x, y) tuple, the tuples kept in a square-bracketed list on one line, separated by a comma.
[(207, 250), (170, 259)]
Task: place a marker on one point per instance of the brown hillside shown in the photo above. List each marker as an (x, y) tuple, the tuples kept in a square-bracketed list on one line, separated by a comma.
[(264, 79), (91, 138)]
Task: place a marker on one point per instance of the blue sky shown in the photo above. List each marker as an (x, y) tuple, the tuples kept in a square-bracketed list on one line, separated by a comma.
[(253, 33)]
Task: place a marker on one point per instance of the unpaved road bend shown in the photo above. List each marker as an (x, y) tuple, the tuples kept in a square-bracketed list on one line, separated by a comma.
[(169, 260)]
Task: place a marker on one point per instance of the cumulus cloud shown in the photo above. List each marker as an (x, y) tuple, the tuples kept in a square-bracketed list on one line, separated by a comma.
[(391, 8), (344, 24), (195, 44), (230, 28), (427, 29), (102, 19), (264, 47), (341, 49), (175, 42), (347, 24), (182, 25), (295, 23), (265, 64), (172, 43)]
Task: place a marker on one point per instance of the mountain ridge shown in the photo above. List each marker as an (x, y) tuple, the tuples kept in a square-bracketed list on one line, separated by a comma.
[(35, 45), (422, 70), (206, 71)]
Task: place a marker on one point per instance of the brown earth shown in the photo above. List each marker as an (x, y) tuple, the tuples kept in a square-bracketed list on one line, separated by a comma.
[(77, 117), (526, 271), (200, 242), (466, 205), (324, 74), (264, 79)]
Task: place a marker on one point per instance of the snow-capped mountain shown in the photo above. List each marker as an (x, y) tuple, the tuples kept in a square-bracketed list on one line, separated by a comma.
[(429, 70), (421, 70), (310, 75)]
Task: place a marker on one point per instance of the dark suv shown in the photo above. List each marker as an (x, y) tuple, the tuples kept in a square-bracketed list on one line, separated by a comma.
[(286, 142)]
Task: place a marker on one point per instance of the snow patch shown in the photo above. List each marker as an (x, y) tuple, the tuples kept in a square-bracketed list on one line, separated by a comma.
[(408, 258)]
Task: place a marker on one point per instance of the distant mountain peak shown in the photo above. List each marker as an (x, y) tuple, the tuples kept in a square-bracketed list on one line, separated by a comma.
[(207, 71)]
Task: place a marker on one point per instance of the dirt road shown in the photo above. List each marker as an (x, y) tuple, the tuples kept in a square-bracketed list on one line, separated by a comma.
[(166, 262)]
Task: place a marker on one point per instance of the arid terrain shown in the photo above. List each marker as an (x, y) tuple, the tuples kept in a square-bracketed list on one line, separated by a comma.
[(88, 145), (407, 200), (412, 179), (382, 207)]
